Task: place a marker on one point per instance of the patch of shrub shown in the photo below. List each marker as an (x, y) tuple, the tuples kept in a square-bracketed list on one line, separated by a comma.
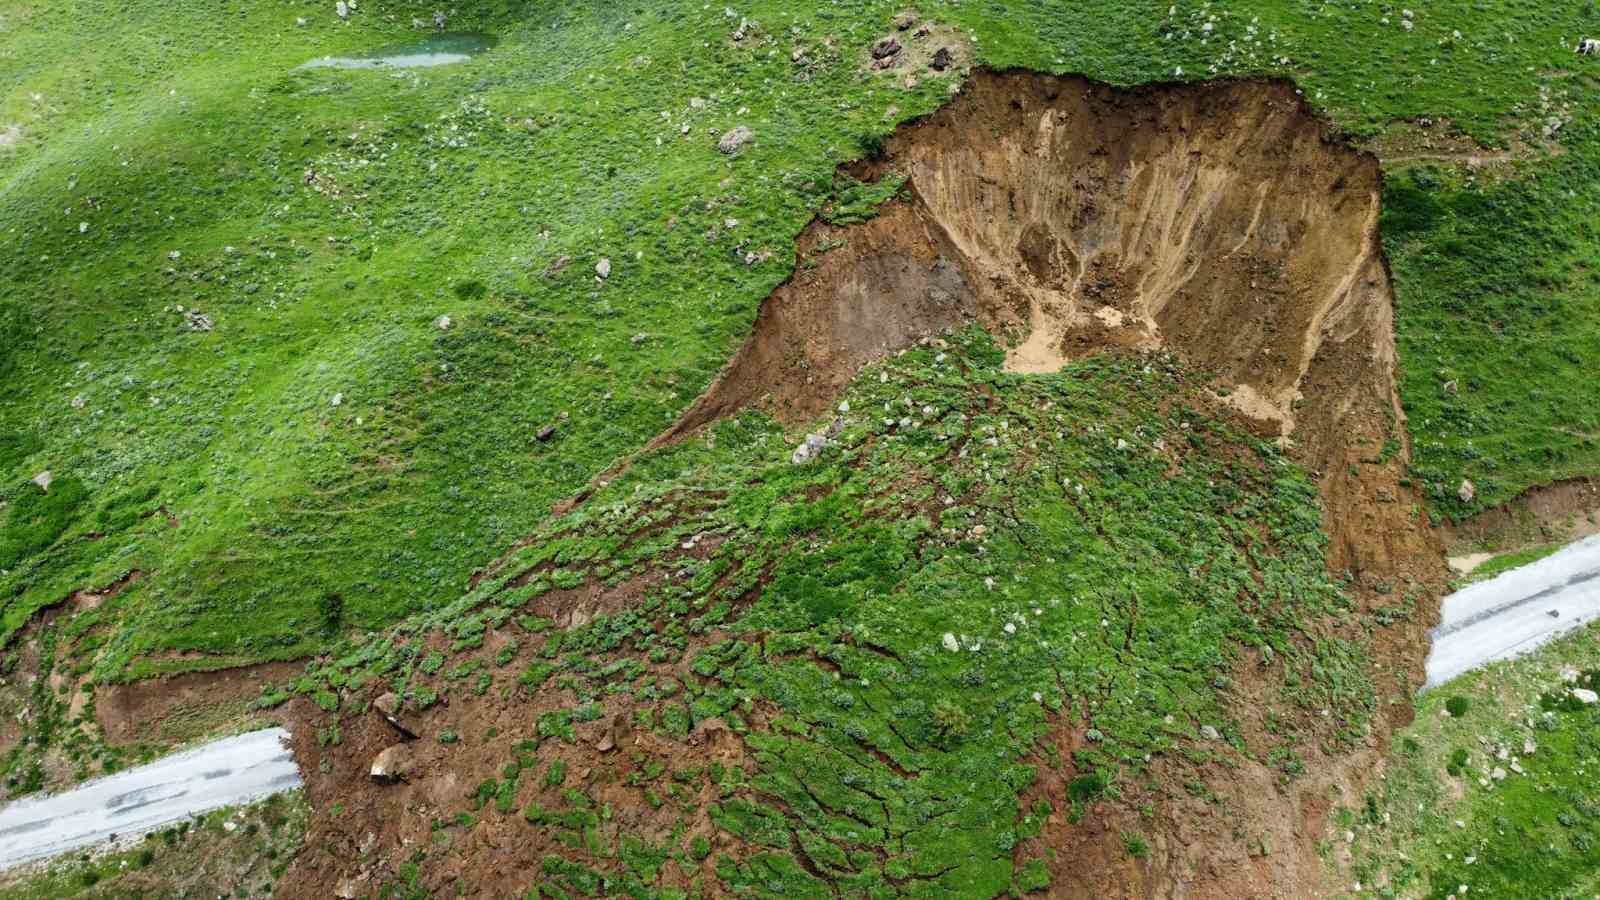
[(1457, 706), (38, 517)]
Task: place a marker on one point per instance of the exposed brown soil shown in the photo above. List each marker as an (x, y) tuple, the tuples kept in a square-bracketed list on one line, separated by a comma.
[(1554, 513), (185, 707), (1221, 221), (613, 762)]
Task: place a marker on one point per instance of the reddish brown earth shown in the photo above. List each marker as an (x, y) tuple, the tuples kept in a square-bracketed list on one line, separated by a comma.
[(1554, 513), (179, 708), (1221, 221)]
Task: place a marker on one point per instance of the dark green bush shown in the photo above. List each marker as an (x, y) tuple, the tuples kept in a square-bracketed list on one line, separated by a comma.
[(38, 518)]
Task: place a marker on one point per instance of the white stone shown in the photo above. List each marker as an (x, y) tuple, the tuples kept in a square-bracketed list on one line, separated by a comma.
[(950, 642), (1585, 696)]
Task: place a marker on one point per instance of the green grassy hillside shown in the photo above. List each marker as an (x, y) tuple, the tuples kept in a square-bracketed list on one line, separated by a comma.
[(326, 457)]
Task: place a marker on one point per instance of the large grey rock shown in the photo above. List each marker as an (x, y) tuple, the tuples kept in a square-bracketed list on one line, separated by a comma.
[(388, 706), (390, 764), (734, 140)]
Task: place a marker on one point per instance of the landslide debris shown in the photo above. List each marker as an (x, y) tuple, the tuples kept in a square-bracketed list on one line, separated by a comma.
[(1013, 596)]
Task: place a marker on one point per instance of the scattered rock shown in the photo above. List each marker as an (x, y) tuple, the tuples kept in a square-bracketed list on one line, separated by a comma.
[(1210, 733), (744, 30), (1589, 47), (389, 765), (1467, 491), (43, 480), (734, 141), (198, 321), (442, 323), (546, 433), (336, 400), (814, 443), (1497, 774), (603, 268), (388, 706), (1450, 387), (809, 449), (950, 643), (905, 21), (440, 19), (885, 48), (342, 8), (941, 60), (1585, 696)]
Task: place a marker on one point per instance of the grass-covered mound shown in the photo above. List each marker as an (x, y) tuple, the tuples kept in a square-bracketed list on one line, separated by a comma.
[(983, 577)]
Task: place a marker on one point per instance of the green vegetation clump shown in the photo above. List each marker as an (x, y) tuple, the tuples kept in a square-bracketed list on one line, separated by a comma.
[(1457, 706), (37, 517)]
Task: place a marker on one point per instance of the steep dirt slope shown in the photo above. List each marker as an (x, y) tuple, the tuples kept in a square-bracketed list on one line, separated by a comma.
[(1220, 221)]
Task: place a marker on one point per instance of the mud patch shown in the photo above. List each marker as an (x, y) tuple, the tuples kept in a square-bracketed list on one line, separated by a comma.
[(1553, 514), (181, 708)]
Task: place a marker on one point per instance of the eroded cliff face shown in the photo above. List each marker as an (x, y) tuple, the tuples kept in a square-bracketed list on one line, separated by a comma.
[(1222, 222)]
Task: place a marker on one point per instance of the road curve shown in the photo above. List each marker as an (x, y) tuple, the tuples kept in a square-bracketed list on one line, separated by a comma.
[(228, 772), (1516, 611)]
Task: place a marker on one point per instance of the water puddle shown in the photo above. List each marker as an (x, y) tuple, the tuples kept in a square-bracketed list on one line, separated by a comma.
[(435, 50)]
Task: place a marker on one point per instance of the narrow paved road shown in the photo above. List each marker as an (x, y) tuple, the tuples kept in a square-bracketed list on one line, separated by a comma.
[(1516, 611), (231, 771), (1491, 620)]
